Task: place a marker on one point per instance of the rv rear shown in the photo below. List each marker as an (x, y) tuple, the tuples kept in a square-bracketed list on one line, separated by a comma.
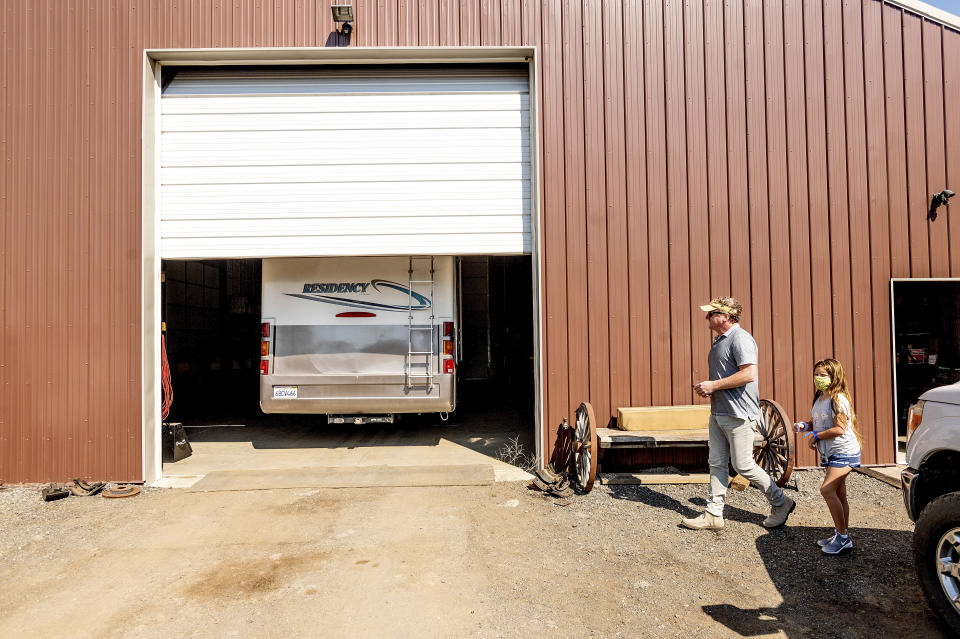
[(359, 339)]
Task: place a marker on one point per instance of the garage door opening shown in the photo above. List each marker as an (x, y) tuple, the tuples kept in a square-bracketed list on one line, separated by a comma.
[(277, 163), (213, 312), (926, 325)]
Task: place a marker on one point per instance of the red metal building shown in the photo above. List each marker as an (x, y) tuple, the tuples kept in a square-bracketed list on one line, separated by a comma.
[(781, 152)]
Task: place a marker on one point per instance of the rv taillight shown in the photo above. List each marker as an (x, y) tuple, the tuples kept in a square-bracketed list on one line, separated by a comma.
[(265, 329), (447, 366), (264, 348), (448, 347), (448, 329), (264, 367)]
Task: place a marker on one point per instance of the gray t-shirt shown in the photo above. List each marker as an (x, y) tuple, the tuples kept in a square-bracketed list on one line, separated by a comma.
[(729, 352)]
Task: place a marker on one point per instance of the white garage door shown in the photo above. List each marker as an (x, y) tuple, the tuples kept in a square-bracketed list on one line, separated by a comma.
[(345, 162)]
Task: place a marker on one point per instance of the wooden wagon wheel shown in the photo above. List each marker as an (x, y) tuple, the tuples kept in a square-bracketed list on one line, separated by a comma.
[(773, 454), (585, 447)]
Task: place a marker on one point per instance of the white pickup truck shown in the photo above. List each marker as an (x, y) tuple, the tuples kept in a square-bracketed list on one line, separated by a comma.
[(931, 493)]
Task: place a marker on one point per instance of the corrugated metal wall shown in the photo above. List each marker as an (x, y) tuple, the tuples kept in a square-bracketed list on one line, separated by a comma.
[(783, 152)]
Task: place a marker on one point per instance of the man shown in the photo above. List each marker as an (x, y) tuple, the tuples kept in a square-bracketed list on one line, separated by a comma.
[(734, 416)]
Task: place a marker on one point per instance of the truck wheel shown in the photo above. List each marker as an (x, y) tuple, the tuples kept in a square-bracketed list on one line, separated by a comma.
[(936, 554)]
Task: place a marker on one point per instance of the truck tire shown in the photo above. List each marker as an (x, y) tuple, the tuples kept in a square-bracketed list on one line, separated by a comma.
[(936, 537)]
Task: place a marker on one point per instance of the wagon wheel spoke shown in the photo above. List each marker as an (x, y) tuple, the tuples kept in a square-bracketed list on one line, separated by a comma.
[(586, 447), (777, 458)]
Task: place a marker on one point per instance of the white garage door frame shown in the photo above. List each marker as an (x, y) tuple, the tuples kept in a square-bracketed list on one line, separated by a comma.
[(153, 62)]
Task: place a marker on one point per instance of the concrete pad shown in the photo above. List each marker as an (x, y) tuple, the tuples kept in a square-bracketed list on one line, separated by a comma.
[(346, 477), (266, 444), (174, 481)]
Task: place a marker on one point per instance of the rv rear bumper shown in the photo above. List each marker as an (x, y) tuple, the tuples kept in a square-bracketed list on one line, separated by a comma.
[(359, 394)]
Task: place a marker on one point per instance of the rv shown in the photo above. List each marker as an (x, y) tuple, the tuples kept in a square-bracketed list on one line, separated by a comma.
[(359, 339)]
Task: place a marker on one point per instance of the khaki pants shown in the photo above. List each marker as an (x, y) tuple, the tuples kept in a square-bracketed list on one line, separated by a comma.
[(731, 441)]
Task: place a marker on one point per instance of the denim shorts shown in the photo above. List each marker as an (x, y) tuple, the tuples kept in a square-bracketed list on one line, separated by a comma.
[(841, 461)]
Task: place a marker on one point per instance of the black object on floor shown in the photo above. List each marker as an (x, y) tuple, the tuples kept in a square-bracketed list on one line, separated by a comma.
[(52, 492), (174, 443)]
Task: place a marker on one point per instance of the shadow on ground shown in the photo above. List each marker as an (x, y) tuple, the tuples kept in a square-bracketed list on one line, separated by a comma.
[(858, 594), (850, 595)]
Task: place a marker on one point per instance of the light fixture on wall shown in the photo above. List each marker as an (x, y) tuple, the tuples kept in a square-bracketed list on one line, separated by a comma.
[(943, 197), (343, 16)]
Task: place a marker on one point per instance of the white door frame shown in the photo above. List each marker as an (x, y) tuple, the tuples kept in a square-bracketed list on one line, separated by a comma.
[(155, 59)]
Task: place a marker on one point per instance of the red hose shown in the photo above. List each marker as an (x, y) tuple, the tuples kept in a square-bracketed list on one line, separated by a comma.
[(167, 400)]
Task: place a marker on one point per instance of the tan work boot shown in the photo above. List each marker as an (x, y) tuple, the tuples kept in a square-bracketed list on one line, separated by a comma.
[(778, 514), (704, 521)]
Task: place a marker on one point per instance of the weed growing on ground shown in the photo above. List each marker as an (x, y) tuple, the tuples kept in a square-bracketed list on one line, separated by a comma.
[(512, 453)]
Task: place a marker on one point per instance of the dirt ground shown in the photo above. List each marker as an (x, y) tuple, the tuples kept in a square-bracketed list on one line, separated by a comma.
[(488, 561)]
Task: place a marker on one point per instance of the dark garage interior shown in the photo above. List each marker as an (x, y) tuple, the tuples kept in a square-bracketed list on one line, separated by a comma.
[(926, 319), (211, 309)]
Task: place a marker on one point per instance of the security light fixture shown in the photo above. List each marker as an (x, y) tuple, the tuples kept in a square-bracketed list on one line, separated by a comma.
[(939, 199), (343, 16)]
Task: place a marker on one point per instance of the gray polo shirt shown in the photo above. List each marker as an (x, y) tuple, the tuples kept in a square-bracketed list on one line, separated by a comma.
[(729, 352)]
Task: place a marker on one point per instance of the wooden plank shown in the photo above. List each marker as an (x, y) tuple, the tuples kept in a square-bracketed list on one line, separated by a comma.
[(628, 479), (876, 474), (616, 438), (650, 418)]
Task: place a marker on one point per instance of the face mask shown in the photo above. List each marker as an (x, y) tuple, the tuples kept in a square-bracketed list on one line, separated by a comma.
[(821, 382)]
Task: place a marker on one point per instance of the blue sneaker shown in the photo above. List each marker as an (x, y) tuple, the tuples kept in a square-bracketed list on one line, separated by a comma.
[(824, 542), (838, 545)]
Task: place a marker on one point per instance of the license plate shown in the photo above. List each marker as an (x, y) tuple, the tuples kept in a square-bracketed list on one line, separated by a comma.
[(284, 392)]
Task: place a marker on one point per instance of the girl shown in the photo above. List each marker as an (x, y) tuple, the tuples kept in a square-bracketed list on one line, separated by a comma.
[(833, 432)]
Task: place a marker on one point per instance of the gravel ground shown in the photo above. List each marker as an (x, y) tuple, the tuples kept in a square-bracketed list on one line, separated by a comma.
[(490, 561)]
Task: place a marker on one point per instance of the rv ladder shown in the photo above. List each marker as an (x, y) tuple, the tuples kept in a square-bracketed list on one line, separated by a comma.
[(419, 360)]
